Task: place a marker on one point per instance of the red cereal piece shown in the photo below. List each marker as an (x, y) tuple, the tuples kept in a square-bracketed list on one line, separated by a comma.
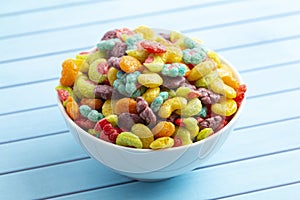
[(100, 124), (153, 47), (105, 137), (63, 95), (179, 122), (113, 136), (199, 119), (240, 94)]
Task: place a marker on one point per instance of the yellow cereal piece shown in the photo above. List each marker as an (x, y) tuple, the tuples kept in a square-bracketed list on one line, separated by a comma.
[(107, 108), (129, 139), (146, 32), (225, 108), (192, 108), (201, 70), (144, 133), (171, 105), (151, 94), (162, 143), (214, 56), (204, 133), (150, 80), (112, 75), (218, 86)]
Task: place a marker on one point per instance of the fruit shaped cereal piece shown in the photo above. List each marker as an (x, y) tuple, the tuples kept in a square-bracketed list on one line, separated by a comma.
[(184, 135), (85, 87), (144, 133), (146, 32), (95, 104), (150, 80), (154, 63), (200, 70), (204, 133), (226, 107), (98, 70), (63, 92), (162, 143), (130, 64), (163, 129), (112, 75), (151, 94), (228, 77), (91, 57), (140, 54), (240, 94), (72, 108), (129, 139), (125, 105), (69, 72), (153, 47)]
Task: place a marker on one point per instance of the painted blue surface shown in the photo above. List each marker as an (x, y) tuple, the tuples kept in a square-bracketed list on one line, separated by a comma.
[(39, 157)]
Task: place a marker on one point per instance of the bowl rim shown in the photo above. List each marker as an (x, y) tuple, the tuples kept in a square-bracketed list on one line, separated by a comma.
[(217, 134)]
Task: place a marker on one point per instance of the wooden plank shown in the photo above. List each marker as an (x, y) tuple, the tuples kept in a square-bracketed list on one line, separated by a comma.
[(63, 148), (34, 153), (289, 191), (50, 64), (57, 179), (15, 7), (104, 11), (31, 124), (209, 182), (24, 48)]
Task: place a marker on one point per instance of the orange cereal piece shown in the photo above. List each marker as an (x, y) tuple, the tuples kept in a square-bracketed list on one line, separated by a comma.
[(69, 72), (72, 108), (163, 129), (125, 105), (94, 104), (130, 64)]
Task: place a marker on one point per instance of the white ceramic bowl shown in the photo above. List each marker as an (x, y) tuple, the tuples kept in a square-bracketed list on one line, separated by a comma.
[(147, 164)]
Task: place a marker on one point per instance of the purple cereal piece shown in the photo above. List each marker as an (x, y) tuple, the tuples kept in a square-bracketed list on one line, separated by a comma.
[(172, 82), (127, 120), (208, 97), (165, 36), (119, 50), (114, 62), (212, 122), (141, 104), (103, 91), (109, 35), (148, 116)]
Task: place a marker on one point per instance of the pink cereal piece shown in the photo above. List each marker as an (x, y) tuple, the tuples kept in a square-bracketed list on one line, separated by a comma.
[(177, 141)]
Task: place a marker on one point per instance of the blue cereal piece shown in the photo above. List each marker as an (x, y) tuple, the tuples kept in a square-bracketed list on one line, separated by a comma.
[(158, 101), (84, 110), (132, 41), (107, 45), (125, 84), (174, 69), (94, 116), (193, 56), (190, 43)]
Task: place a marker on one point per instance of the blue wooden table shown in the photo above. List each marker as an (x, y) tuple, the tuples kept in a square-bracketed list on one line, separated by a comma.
[(40, 159)]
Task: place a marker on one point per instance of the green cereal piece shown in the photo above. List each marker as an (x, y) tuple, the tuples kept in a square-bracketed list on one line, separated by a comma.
[(113, 119), (85, 110), (89, 60), (172, 93), (183, 91), (94, 116), (85, 87), (144, 133), (94, 72), (184, 135), (204, 133), (162, 143), (129, 139), (192, 125), (193, 107), (93, 132)]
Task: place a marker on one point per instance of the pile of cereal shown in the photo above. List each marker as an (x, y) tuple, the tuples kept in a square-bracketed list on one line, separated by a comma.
[(143, 89)]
